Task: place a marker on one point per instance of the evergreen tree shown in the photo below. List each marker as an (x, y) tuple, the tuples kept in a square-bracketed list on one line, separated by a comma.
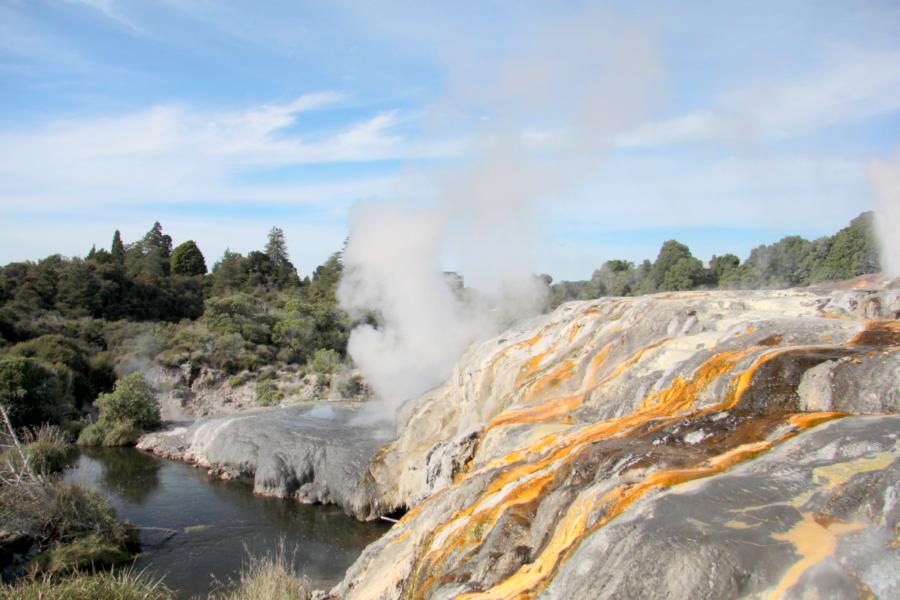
[(188, 260), (151, 255), (229, 273), (276, 248), (118, 248), (283, 272)]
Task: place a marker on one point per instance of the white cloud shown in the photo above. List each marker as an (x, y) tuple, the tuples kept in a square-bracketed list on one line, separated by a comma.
[(172, 153), (856, 86), (110, 10)]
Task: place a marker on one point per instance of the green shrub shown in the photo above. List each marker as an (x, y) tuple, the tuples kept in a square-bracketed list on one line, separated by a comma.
[(350, 385), (31, 392), (325, 361), (240, 379), (121, 585), (267, 393), (125, 413)]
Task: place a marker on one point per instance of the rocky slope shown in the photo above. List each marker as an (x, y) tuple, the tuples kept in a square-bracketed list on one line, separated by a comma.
[(699, 444)]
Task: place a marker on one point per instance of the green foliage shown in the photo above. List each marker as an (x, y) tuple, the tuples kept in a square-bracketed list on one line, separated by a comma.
[(724, 269), (267, 393), (852, 251), (283, 273), (240, 314), (325, 361), (47, 447), (675, 268), (31, 392), (82, 378), (117, 249), (62, 513), (93, 551), (125, 413), (187, 260), (150, 256), (230, 273)]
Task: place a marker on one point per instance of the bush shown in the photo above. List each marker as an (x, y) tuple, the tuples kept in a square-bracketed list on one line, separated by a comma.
[(325, 362), (350, 385), (267, 393), (123, 585), (30, 392), (125, 413)]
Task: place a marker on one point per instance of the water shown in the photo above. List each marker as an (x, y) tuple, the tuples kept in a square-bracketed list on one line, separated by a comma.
[(216, 523)]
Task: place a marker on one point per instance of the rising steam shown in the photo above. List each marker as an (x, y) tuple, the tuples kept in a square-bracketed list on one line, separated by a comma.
[(886, 180), (552, 108)]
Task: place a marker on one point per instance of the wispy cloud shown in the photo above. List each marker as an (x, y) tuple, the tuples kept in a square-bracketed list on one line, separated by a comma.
[(172, 153), (856, 86), (110, 10)]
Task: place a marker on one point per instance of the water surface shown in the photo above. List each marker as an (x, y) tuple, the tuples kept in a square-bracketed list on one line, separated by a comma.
[(216, 523)]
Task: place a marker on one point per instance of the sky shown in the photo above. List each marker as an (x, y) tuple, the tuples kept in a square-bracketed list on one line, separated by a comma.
[(222, 119)]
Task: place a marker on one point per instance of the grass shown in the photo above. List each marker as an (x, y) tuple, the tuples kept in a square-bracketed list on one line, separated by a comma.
[(47, 447), (121, 585), (269, 576), (94, 551)]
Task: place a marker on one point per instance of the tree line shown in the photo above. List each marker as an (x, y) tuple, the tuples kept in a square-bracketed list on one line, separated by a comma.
[(790, 262)]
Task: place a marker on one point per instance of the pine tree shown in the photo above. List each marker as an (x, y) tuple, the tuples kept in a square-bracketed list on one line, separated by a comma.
[(118, 248), (283, 272), (276, 248)]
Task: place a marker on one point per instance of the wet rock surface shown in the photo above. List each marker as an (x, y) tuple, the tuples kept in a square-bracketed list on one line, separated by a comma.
[(314, 453), (696, 444)]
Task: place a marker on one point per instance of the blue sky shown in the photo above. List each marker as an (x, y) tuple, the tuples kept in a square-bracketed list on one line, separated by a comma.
[(221, 119)]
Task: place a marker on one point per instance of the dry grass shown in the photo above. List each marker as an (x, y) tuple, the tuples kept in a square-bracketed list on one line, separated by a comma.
[(121, 585), (267, 577)]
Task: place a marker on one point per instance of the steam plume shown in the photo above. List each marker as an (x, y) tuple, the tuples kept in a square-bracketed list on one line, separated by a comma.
[(552, 109), (886, 180)]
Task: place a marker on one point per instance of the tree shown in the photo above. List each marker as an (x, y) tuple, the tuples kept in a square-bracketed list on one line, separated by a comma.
[(151, 255), (283, 272), (675, 269), (276, 248), (117, 249), (187, 260), (615, 278), (125, 413), (853, 251), (723, 269), (229, 273)]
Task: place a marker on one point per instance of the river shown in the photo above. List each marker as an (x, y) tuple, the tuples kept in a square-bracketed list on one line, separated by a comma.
[(216, 524)]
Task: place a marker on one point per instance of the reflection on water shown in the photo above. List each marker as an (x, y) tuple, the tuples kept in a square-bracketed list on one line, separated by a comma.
[(126, 473), (216, 523)]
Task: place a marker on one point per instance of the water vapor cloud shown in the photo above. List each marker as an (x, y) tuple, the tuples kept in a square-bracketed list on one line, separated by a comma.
[(551, 105)]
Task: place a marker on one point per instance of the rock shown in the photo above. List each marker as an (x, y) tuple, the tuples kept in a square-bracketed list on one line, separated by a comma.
[(312, 453), (652, 447), (699, 444)]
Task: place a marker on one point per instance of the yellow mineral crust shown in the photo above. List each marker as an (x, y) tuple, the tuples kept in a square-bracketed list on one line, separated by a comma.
[(574, 525), (814, 540)]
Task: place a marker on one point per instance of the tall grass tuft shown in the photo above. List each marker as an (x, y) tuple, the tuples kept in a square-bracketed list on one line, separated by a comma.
[(266, 577), (112, 585)]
